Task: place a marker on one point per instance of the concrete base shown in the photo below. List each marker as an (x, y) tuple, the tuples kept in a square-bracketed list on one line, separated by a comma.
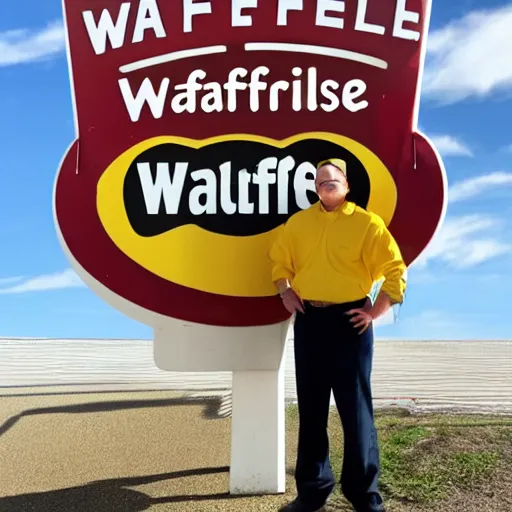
[(258, 433)]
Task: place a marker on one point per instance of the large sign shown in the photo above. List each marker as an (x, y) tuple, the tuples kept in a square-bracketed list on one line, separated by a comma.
[(199, 126)]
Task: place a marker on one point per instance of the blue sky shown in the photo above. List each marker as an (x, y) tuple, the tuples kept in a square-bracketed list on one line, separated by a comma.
[(458, 290)]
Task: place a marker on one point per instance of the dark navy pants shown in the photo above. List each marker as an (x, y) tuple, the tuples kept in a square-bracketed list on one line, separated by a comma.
[(331, 355)]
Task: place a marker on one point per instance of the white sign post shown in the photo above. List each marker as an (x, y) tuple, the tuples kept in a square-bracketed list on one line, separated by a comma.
[(255, 355)]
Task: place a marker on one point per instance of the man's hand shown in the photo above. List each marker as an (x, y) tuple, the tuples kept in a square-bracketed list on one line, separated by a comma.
[(361, 318), (367, 314), (367, 305), (292, 301)]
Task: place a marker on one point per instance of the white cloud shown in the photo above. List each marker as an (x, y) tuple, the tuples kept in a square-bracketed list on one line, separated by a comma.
[(465, 242), (450, 146), (431, 324), (60, 280), (388, 318), (470, 56), (472, 187), (486, 278), (6, 281), (21, 46), (420, 274), (432, 318)]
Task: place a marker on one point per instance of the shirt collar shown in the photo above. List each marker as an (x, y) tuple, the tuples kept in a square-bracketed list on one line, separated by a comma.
[(347, 207)]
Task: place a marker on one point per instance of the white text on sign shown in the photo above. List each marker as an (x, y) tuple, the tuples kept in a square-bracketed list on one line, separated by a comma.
[(112, 25)]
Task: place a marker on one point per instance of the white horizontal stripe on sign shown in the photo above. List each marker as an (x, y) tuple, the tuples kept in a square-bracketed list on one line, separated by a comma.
[(171, 57), (318, 50)]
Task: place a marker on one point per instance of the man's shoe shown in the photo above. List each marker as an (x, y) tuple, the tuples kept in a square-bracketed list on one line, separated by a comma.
[(298, 506), (375, 505)]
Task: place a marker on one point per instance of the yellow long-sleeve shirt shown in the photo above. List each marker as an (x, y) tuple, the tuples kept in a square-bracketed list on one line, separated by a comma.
[(337, 256)]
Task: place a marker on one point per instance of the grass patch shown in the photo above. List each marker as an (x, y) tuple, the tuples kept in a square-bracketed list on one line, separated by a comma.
[(426, 460), (470, 467)]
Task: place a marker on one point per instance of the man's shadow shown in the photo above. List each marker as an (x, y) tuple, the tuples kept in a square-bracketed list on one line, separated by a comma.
[(111, 495)]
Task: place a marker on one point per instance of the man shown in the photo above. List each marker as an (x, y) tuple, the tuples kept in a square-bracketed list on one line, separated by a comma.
[(324, 264)]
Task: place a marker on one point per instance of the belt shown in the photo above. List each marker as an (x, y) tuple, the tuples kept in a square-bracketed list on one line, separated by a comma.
[(321, 304), (324, 304)]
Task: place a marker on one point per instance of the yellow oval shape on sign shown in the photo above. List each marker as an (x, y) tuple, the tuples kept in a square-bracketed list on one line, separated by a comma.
[(190, 256)]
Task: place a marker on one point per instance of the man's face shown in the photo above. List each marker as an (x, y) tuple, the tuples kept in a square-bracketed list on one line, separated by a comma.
[(331, 185)]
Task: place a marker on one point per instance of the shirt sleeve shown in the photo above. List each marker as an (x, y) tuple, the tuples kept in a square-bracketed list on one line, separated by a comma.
[(281, 256), (383, 259)]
